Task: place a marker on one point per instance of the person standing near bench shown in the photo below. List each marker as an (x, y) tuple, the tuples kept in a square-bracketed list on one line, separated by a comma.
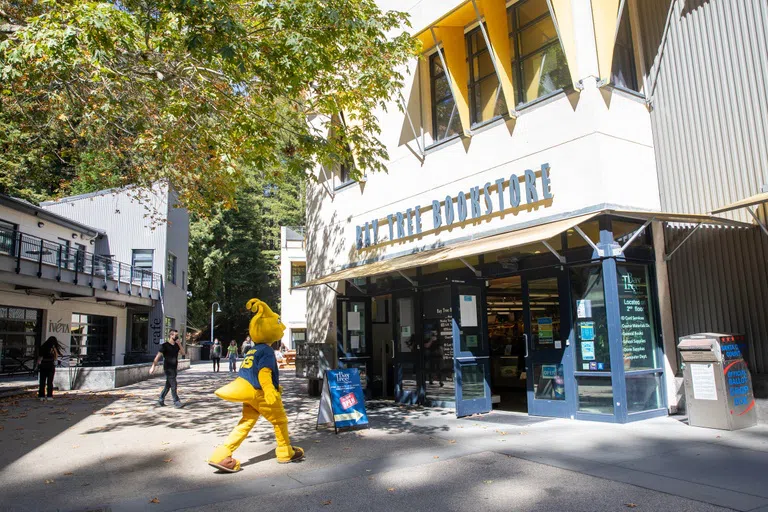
[(216, 355), (46, 365), (170, 351)]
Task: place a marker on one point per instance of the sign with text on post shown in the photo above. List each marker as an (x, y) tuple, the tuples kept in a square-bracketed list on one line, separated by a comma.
[(342, 402), (504, 195)]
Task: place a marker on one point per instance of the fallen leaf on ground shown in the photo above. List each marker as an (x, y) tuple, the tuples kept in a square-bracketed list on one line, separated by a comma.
[(452, 441), (317, 441), (436, 457), (68, 473), (167, 460), (487, 481), (165, 442), (49, 481), (75, 446), (391, 489), (154, 500), (326, 502), (630, 505)]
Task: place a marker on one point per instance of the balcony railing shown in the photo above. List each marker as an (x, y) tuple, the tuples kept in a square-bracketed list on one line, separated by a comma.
[(24, 247)]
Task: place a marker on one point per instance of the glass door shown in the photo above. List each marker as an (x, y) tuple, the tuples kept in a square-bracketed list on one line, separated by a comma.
[(547, 338), (470, 351), (353, 335), (409, 384)]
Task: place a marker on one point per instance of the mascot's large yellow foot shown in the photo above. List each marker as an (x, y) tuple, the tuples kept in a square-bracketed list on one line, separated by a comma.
[(222, 459), (298, 454)]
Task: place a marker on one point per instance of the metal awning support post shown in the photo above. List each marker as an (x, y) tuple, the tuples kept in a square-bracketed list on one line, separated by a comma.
[(355, 286), (334, 290), (410, 121), (470, 267), (559, 256), (636, 234), (669, 256), (760, 222), (599, 251), (413, 283), (491, 52)]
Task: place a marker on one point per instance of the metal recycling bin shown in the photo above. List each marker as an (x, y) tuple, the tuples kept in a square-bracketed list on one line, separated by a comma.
[(718, 385)]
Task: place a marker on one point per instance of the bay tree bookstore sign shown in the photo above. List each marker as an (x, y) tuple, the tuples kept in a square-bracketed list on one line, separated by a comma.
[(504, 194)]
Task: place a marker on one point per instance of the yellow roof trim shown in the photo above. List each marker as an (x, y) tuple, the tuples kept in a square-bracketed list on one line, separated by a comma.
[(460, 16)]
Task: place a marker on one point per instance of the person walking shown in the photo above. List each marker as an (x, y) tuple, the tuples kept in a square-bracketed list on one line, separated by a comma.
[(46, 365), (170, 351), (247, 345), (232, 355), (216, 355)]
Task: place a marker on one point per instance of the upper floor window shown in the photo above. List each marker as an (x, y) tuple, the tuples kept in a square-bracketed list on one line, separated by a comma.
[(8, 237), (623, 70), (538, 61), (298, 273), (141, 260), (170, 268), (485, 95), (445, 116)]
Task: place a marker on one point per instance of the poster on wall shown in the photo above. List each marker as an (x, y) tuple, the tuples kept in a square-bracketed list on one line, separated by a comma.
[(353, 321), (468, 310), (587, 331), (584, 308), (588, 350), (546, 336)]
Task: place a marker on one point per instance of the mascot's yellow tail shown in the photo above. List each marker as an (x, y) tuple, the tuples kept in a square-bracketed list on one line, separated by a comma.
[(239, 390)]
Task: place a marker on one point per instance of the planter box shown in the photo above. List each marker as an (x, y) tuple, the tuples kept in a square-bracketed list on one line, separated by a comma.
[(106, 377)]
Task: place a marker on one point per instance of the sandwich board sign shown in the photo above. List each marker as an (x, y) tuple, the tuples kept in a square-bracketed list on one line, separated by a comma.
[(342, 402)]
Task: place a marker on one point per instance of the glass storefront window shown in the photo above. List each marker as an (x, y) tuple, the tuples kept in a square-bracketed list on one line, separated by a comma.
[(353, 327), (445, 116), (590, 320), (644, 392), (472, 382), (437, 328), (91, 340), (638, 332), (19, 339), (548, 382), (140, 333), (595, 395)]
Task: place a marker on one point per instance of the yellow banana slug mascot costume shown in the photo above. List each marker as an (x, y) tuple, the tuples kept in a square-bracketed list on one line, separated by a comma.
[(257, 387)]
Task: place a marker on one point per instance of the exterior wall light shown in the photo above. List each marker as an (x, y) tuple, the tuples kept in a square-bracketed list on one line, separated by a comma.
[(40, 224), (74, 235)]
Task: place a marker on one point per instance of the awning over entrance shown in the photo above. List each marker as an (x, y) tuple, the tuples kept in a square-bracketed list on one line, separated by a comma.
[(748, 203), (508, 240), (744, 203)]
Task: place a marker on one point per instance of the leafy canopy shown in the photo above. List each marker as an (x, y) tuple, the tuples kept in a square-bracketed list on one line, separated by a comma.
[(103, 94)]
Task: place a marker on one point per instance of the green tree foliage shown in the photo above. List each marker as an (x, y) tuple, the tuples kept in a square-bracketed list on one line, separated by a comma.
[(101, 94), (234, 254)]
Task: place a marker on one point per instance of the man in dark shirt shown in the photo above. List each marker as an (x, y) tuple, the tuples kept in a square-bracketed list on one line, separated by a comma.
[(170, 351)]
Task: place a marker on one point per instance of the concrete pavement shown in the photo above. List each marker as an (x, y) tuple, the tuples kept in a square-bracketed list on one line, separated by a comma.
[(118, 451)]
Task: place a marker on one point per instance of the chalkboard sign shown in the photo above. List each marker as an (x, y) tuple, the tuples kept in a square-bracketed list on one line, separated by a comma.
[(342, 402)]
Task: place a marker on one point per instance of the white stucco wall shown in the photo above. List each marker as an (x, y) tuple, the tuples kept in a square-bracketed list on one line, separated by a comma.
[(293, 302)]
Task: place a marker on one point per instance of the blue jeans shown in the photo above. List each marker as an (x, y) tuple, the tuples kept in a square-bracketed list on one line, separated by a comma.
[(233, 363)]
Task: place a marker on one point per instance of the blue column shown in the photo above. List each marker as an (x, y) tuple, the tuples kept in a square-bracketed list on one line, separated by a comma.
[(610, 284)]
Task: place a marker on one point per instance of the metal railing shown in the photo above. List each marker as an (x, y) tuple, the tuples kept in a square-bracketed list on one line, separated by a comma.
[(84, 264)]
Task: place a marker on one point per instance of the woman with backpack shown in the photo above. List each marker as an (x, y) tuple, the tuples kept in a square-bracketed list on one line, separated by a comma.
[(46, 365)]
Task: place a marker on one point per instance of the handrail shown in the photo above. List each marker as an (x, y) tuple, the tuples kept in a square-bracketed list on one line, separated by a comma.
[(23, 246)]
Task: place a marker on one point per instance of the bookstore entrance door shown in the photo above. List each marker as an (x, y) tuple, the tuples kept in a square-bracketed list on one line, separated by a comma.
[(528, 332)]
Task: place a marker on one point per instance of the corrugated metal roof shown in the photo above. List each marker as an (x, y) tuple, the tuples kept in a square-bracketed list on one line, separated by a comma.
[(29, 208)]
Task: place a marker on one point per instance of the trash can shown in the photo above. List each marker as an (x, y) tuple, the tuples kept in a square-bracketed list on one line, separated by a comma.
[(718, 385)]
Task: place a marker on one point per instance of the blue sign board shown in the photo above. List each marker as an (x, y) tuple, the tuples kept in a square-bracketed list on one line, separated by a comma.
[(343, 401)]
